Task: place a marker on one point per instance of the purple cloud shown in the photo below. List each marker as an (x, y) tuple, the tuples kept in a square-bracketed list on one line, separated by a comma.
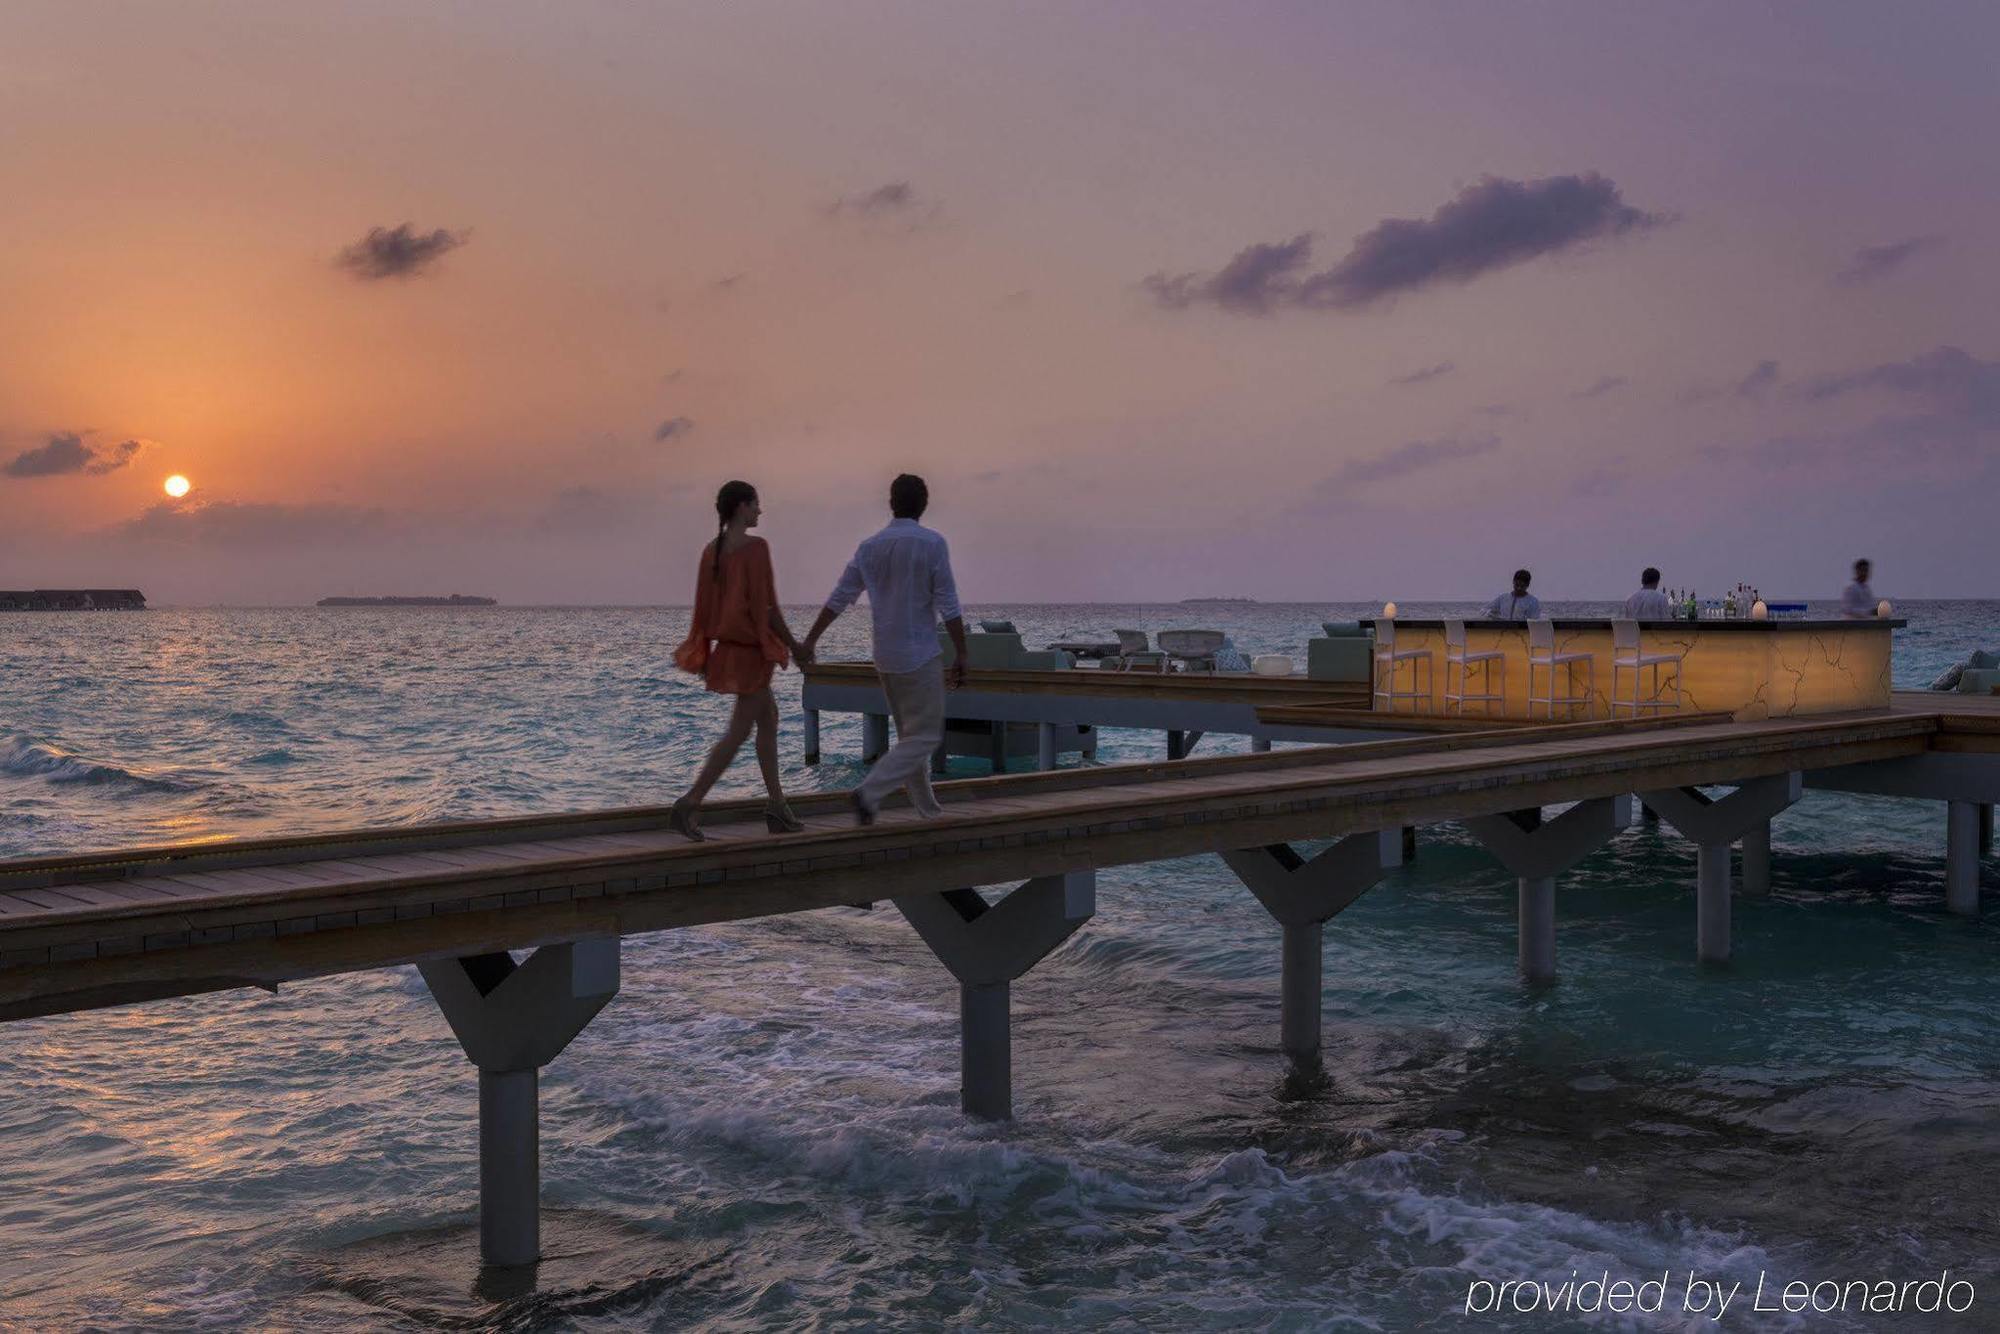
[(1413, 456), (1491, 225), (1879, 261), (673, 428), (1426, 374), (1759, 381), (1601, 387), (397, 252)]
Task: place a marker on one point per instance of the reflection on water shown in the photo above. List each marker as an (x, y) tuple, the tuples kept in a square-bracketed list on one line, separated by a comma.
[(763, 1129)]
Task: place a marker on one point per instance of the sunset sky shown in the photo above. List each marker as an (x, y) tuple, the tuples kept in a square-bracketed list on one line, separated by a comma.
[(1313, 301)]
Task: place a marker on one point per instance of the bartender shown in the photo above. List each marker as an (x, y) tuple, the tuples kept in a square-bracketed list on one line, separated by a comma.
[(1649, 603), (1519, 605), (1857, 600)]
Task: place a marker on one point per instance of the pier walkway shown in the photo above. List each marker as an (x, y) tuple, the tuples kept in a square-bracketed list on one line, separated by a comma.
[(459, 900)]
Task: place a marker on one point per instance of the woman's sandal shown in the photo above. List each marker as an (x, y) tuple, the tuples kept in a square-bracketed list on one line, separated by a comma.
[(780, 820), (680, 819)]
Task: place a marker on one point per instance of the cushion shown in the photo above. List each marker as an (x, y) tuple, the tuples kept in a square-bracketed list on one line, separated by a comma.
[(997, 627), (1983, 660), (1978, 680), (1343, 629)]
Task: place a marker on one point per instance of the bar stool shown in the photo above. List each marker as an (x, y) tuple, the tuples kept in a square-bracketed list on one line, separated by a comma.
[(1457, 655), (1542, 653), (1388, 657), (1628, 655)]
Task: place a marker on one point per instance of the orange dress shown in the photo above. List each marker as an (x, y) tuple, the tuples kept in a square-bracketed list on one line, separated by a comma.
[(731, 645)]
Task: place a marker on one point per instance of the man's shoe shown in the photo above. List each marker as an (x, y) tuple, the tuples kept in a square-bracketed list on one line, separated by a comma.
[(862, 815)]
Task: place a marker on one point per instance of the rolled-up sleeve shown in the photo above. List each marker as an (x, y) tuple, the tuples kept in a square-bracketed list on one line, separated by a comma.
[(944, 589), (848, 589)]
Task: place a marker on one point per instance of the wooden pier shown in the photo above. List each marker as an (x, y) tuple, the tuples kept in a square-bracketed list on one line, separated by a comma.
[(139, 925)]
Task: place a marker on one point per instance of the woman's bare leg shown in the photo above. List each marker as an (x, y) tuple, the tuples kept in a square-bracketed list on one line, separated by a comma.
[(767, 748), (741, 720)]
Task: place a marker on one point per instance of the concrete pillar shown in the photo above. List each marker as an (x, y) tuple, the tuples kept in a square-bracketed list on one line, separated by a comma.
[(1711, 910), (512, 1019), (986, 946), (1648, 814), (811, 729), (986, 1051), (1985, 828), (874, 736), (1176, 744), (510, 1167), (1961, 857), (1409, 843), (1535, 921), (1757, 858), (1090, 742), (999, 748), (1303, 895), (1537, 851), (1045, 745), (1300, 979), (1260, 745), (1712, 824)]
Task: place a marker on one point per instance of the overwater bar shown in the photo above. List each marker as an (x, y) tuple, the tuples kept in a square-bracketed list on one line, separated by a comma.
[(1750, 669)]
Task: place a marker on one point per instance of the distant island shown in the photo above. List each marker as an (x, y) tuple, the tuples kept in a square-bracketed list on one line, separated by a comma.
[(1190, 602), (72, 599), (455, 600)]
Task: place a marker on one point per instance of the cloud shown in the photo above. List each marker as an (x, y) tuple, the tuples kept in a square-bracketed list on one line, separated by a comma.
[(1427, 373), (1601, 387), (1951, 421), (1879, 261), (1759, 381), (397, 252), (1952, 379), (1491, 225), (898, 201), (1597, 484), (1413, 456), (673, 428), (252, 524), (66, 454)]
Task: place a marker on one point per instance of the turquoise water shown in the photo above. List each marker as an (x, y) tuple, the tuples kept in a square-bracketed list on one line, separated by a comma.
[(762, 1131)]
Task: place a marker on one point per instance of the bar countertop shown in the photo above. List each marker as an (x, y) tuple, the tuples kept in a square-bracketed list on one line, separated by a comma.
[(1671, 626)]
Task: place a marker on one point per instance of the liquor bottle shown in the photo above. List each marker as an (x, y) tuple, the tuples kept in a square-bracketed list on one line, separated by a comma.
[(1729, 606)]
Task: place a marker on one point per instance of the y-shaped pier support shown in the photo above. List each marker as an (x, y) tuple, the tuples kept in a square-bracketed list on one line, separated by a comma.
[(1712, 824), (1962, 846), (1303, 895), (1537, 853), (986, 946), (512, 1019)]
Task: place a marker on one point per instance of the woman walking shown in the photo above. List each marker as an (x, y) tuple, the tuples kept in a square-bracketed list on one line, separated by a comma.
[(737, 638)]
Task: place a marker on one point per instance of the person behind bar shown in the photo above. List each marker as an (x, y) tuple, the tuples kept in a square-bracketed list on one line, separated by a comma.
[(737, 637), (1519, 605), (1857, 600), (1649, 603), (906, 571)]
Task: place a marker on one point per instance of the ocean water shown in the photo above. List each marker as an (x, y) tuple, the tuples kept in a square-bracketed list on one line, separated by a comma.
[(762, 1130)]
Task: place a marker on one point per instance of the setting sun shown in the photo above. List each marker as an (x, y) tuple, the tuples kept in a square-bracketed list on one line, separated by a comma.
[(178, 486)]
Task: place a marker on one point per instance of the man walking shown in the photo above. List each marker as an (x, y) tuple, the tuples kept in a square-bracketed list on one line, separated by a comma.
[(906, 571)]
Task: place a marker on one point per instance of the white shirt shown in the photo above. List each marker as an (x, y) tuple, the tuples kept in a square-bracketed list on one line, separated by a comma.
[(1648, 604), (1857, 599), (906, 571), (1507, 607)]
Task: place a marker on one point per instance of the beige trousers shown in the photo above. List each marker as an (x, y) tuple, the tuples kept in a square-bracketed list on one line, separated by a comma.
[(916, 702)]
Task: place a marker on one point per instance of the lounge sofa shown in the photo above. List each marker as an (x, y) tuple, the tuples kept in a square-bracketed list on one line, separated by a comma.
[(1346, 652)]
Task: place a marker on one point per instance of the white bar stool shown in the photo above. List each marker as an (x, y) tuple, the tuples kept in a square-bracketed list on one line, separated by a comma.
[(1628, 655), (1457, 655), (1388, 658), (1542, 653)]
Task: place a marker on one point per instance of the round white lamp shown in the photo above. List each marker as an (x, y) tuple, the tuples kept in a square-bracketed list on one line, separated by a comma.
[(1389, 611), (1759, 612), (1883, 608)]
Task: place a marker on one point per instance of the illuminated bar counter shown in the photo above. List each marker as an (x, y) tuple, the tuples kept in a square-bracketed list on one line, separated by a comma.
[(1749, 668)]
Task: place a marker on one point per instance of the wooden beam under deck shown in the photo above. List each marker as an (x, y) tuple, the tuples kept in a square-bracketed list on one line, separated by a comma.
[(81, 932)]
